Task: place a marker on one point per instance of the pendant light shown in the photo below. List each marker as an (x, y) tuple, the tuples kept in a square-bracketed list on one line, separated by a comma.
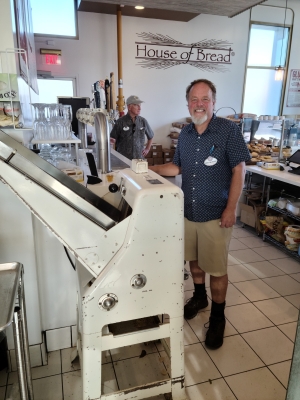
[(279, 71)]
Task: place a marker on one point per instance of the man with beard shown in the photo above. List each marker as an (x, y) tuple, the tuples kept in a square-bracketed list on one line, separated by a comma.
[(211, 155)]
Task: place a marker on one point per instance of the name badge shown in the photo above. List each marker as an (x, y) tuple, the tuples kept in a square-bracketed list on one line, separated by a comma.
[(210, 161), (125, 128)]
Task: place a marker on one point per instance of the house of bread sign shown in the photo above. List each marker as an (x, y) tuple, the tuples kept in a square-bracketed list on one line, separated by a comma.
[(162, 52)]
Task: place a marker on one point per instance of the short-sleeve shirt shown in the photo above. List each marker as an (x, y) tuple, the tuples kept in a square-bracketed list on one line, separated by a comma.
[(206, 187), (130, 136)]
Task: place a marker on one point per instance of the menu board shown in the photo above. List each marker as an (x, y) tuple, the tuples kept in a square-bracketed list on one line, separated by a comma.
[(293, 97)]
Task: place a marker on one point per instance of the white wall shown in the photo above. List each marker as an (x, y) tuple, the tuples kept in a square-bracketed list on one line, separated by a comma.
[(94, 56)]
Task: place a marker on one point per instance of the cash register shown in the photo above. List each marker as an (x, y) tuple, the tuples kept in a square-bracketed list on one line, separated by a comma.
[(295, 158)]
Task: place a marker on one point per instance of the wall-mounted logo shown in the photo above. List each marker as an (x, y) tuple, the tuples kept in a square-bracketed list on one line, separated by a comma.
[(162, 52)]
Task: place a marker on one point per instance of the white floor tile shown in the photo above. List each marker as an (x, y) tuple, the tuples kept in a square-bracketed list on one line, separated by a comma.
[(296, 276), (282, 372), (232, 260), (66, 358), (197, 324), (270, 252), (245, 256), (246, 317), (253, 241), (256, 290), (239, 273), (214, 390), (261, 384), (278, 310), (138, 371), (132, 351), (294, 299), (234, 296), (241, 233), (289, 330), (270, 344), (72, 384), (189, 336), (49, 388), (230, 358), (235, 244), (53, 367), (3, 377), (198, 365), (264, 269), (289, 265), (284, 285), (2, 392)]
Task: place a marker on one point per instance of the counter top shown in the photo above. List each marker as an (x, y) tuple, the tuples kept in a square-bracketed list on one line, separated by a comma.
[(283, 176)]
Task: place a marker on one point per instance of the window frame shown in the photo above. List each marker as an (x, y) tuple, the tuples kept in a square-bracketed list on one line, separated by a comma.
[(286, 66), (76, 37)]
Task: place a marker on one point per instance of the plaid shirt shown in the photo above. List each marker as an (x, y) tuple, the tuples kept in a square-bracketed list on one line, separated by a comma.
[(130, 136)]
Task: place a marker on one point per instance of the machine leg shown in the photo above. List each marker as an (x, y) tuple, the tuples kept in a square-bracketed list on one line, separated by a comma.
[(177, 358), (17, 329)]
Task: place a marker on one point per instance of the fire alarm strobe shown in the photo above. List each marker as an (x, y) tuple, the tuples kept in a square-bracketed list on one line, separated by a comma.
[(139, 166)]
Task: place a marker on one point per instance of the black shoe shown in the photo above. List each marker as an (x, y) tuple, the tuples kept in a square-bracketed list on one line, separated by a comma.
[(193, 305), (215, 333)]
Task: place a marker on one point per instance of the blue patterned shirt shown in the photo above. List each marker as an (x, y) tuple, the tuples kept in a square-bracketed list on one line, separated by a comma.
[(206, 188)]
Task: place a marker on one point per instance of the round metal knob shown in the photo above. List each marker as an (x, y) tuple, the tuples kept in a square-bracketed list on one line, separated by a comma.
[(108, 301), (138, 281)]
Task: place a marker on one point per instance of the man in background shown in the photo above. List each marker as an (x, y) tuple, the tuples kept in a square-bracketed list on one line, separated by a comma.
[(129, 131), (210, 155)]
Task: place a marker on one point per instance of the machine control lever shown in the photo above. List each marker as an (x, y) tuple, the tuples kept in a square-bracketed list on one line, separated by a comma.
[(113, 188)]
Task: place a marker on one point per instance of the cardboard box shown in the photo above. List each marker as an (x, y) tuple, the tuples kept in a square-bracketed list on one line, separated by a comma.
[(156, 147), (168, 152), (250, 214), (158, 161), (149, 155), (149, 161), (168, 159), (157, 154)]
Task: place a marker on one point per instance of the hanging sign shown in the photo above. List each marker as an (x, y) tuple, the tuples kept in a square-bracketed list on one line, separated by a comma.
[(162, 52), (293, 98)]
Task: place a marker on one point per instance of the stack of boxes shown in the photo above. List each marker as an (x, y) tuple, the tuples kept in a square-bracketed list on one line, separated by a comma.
[(157, 155)]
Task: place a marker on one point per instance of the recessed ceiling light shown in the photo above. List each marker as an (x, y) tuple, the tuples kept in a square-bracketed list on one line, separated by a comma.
[(139, 7)]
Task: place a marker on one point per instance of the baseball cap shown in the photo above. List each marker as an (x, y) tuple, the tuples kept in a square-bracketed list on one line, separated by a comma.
[(134, 100)]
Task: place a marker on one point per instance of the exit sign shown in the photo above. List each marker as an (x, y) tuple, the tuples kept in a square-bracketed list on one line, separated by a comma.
[(52, 59)]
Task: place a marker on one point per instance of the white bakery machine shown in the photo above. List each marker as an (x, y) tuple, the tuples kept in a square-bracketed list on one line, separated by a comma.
[(128, 246)]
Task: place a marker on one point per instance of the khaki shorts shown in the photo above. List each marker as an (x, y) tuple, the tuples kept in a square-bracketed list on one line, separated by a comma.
[(208, 243)]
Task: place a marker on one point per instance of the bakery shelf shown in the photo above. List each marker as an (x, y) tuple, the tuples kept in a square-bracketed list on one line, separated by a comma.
[(281, 246), (285, 212)]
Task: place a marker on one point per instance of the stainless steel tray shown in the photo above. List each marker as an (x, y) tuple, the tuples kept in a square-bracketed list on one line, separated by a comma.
[(9, 281)]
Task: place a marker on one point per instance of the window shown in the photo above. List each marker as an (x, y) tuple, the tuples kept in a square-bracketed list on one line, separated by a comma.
[(50, 89), (54, 18), (267, 49)]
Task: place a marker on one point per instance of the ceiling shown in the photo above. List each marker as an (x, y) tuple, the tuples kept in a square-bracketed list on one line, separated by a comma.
[(175, 10)]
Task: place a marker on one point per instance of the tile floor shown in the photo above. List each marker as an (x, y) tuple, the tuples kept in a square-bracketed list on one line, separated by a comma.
[(263, 302)]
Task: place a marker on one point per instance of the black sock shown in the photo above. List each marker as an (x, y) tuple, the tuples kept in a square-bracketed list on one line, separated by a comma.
[(200, 290), (217, 309)]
